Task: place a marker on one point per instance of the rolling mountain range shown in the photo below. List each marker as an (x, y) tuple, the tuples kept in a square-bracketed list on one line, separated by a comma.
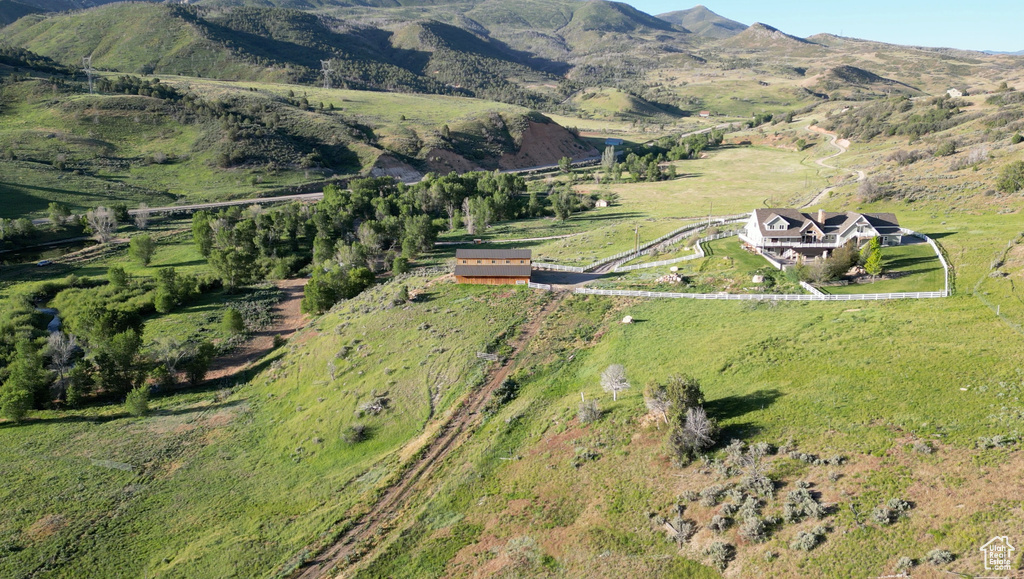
[(597, 60)]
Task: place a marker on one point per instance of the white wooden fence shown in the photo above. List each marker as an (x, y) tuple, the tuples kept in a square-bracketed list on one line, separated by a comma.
[(541, 286), (763, 297), (645, 248), (698, 253), (811, 289)]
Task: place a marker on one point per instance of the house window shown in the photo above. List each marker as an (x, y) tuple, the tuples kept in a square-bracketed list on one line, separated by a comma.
[(479, 262), (508, 262)]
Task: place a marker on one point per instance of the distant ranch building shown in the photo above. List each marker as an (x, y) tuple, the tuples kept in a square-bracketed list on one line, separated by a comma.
[(493, 266)]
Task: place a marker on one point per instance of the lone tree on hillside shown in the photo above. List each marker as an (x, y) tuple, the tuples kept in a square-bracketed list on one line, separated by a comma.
[(102, 222), (614, 379), (142, 248)]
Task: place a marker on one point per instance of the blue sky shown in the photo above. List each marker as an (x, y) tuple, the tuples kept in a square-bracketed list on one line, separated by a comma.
[(968, 24)]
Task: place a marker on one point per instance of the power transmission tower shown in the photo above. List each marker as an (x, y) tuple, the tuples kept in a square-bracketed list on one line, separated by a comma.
[(88, 69), (326, 70)]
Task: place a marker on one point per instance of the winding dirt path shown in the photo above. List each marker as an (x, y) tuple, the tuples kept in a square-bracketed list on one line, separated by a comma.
[(358, 540), (843, 146), (288, 318)]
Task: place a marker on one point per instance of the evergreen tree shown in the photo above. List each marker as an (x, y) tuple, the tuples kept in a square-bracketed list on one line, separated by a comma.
[(233, 322), (137, 401), (873, 263)]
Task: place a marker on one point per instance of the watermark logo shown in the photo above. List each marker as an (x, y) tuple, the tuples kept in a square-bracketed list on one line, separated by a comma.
[(998, 554)]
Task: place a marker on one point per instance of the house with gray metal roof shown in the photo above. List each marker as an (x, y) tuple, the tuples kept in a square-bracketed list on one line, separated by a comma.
[(790, 233), (493, 266)]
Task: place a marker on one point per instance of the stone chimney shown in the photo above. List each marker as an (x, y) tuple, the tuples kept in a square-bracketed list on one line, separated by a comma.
[(821, 217)]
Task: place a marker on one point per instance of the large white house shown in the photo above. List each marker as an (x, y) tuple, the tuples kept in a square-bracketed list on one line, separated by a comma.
[(789, 233)]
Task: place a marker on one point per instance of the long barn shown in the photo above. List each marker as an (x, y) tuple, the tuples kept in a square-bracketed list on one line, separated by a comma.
[(493, 266)]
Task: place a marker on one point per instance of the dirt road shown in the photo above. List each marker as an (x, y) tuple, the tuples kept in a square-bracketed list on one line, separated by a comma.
[(287, 319), (842, 145), (382, 516)]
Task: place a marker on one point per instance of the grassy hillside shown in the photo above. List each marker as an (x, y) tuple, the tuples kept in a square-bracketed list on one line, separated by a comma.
[(208, 140), (150, 37)]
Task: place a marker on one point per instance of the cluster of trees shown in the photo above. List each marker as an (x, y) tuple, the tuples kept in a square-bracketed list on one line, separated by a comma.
[(353, 234), (98, 351), (680, 402), (16, 58), (133, 85), (16, 230)]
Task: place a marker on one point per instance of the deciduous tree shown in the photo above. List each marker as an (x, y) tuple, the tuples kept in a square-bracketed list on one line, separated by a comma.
[(102, 222), (141, 248), (613, 380)]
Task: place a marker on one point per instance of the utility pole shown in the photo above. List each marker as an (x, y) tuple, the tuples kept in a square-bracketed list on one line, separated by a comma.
[(325, 71), (88, 70), (711, 211), (637, 237)]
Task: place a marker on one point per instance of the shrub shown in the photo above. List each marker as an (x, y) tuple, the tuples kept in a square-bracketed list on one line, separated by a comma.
[(939, 557), (503, 394), (1016, 139), (904, 564), (1011, 178), (709, 496), (232, 322), (923, 447), (137, 402), (588, 412), (719, 524), (945, 149), (355, 433), (881, 515), (720, 554), (805, 541), (754, 530)]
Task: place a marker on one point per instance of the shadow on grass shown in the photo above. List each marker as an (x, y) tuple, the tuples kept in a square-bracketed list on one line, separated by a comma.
[(904, 262), (184, 263), (104, 418), (735, 406), (562, 277)]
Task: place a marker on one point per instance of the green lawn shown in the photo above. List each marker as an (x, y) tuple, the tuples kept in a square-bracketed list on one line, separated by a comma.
[(918, 261)]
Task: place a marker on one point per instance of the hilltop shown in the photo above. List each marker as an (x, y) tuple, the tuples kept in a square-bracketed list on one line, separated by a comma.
[(704, 22)]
